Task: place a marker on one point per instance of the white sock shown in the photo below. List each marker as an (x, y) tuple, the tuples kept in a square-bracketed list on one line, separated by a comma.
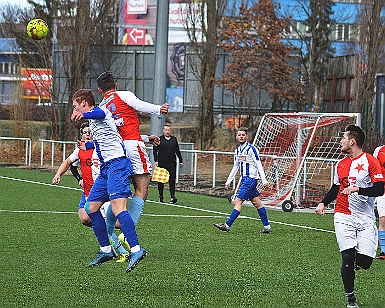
[(106, 249), (135, 248)]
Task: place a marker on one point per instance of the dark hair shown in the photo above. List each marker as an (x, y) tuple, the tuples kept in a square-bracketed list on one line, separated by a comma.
[(84, 94), (106, 81), (357, 133), (83, 126)]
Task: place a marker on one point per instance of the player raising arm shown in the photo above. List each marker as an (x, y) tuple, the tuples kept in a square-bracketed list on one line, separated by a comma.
[(113, 183), (123, 106)]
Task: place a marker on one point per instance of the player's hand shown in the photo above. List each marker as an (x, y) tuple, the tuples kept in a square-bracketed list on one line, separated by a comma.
[(154, 140), (156, 164), (164, 108), (349, 190), (181, 164), (81, 183), (320, 209), (227, 186), (76, 116), (56, 180)]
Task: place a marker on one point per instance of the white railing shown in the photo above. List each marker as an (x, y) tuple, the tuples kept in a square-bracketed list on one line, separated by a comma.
[(53, 142), (194, 153), (28, 148)]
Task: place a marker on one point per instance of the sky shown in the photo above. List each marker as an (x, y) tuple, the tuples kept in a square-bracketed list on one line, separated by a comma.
[(13, 2)]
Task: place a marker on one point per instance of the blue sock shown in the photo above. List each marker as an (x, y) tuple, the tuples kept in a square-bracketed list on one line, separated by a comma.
[(233, 216), (117, 244), (128, 228), (110, 221), (135, 208), (100, 229), (263, 215), (381, 237)]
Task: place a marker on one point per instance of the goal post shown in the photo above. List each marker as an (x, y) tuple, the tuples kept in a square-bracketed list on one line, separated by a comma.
[(298, 153)]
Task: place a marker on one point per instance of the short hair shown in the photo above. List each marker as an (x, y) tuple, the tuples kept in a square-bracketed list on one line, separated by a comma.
[(83, 126), (357, 133), (106, 81), (84, 94), (168, 125), (243, 129)]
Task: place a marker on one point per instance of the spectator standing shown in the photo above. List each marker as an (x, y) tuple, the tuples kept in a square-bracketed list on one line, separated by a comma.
[(165, 155)]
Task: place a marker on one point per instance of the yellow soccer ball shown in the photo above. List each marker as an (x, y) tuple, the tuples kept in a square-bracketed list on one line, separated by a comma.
[(37, 29)]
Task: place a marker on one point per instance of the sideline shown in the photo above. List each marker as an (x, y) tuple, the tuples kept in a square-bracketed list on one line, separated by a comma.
[(158, 215)]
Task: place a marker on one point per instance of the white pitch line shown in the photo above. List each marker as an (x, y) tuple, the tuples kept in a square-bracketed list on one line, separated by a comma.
[(169, 204), (39, 183)]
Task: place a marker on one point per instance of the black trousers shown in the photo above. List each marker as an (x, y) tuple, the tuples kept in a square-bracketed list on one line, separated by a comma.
[(171, 181)]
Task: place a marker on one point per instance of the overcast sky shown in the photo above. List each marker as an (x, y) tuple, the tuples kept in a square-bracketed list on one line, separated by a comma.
[(21, 2)]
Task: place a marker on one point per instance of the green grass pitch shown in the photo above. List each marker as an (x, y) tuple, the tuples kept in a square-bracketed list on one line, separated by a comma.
[(45, 252)]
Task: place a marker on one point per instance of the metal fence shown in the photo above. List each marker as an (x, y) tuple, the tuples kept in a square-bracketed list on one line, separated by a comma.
[(210, 167)]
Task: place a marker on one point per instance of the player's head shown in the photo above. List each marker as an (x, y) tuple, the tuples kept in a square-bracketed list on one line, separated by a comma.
[(355, 132), (167, 130), (85, 132), (83, 98), (353, 136), (242, 134), (106, 82)]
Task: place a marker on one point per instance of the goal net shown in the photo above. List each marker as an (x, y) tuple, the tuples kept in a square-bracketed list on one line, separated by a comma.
[(299, 152)]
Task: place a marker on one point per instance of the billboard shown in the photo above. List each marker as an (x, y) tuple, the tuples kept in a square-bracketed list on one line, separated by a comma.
[(37, 83)]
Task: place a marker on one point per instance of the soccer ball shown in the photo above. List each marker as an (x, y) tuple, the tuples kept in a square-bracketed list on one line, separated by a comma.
[(37, 29)]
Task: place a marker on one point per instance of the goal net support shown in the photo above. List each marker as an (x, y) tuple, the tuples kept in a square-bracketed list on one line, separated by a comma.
[(299, 152)]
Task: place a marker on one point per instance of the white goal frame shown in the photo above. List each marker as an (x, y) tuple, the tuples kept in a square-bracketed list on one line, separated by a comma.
[(298, 153)]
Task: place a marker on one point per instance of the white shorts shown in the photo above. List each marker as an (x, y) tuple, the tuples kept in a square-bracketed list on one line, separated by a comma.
[(136, 151), (381, 206), (359, 232)]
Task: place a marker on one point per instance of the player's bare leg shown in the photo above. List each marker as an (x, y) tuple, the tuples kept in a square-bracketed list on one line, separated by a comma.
[(135, 208)]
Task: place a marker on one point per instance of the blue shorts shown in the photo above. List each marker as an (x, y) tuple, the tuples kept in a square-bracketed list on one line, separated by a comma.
[(82, 201), (113, 181), (248, 189)]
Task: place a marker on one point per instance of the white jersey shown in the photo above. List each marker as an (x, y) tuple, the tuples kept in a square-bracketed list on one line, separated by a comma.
[(105, 136), (246, 159)]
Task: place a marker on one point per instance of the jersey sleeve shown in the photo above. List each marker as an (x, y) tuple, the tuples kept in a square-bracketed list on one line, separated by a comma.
[(259, 166), (74, 155), (375, 171), (131, 100)]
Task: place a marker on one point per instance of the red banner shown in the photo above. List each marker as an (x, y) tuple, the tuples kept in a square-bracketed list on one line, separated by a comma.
[(37, 84)]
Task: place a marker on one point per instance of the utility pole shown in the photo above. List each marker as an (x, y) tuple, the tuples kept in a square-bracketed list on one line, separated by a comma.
[(161, 52)]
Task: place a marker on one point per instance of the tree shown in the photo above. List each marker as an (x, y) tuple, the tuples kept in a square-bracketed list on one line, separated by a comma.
[(205, 18), (75, 28), (371, 55), (320, 25), (259, 59)]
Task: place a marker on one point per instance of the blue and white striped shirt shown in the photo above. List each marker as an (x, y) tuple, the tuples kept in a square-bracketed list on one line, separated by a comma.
[(246, 159), (105, 135)]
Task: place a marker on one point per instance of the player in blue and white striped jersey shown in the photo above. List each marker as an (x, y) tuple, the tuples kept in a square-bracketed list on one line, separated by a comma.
[(113, 183), (246, 159)]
